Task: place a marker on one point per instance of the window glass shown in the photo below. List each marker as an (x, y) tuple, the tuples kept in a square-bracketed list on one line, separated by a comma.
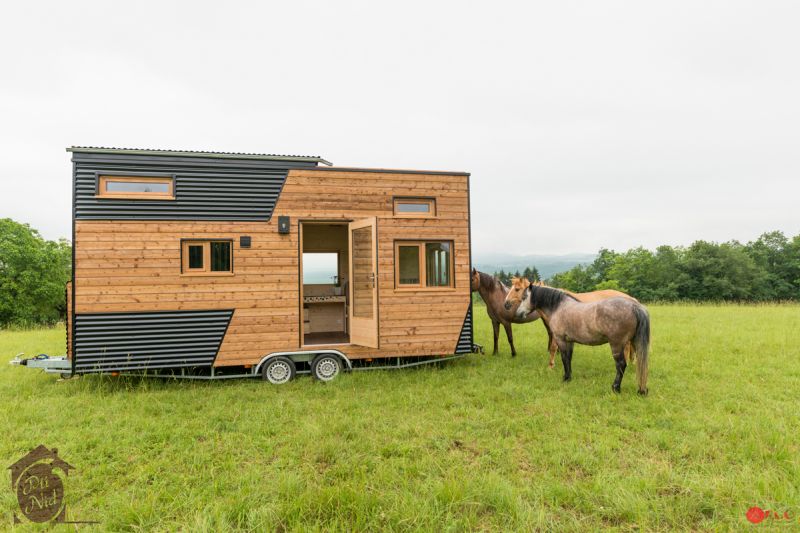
[(413, 207), (220, 256), (408, 257), (320, 268), (196, 256), (138, 186), (437, 264)]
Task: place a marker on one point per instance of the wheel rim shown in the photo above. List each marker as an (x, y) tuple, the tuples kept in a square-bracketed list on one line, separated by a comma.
[(279, 372), (327, 368)]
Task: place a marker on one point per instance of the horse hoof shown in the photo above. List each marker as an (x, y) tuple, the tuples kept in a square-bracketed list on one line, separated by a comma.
[(616, 389), (567, 378), (643, 392), (513, 355)]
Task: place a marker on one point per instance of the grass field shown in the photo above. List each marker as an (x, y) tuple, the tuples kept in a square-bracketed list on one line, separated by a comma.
[(487, 443)]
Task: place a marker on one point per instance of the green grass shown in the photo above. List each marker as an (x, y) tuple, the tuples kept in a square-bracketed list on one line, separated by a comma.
[(487, 443)]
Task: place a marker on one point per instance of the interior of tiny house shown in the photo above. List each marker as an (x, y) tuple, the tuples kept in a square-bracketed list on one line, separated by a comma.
[(324, 267)]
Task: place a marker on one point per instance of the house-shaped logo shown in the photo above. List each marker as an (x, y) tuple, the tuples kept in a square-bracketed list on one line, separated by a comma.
[(39, 488)]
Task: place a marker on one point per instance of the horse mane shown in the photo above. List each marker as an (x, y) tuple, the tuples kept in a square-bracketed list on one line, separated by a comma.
[(488, 281), (547, 298)]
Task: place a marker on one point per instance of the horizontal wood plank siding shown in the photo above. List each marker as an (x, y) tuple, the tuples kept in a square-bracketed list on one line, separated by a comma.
[(134, 266)]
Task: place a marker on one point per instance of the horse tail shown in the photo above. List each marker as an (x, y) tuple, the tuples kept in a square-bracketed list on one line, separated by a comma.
[(641, 345)]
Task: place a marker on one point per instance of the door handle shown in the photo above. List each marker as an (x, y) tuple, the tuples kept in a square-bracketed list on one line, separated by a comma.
[(372, 279)]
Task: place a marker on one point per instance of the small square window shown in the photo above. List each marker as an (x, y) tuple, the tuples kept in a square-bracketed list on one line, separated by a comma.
[(212, 257)]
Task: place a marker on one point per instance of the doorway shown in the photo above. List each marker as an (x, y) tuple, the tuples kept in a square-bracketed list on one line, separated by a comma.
[(324, 266)]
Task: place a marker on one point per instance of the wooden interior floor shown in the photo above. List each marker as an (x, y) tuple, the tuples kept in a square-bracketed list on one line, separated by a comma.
[(327, 337)]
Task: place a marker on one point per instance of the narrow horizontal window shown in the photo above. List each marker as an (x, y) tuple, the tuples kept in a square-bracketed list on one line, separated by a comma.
[(212, 257), (136, 187), (415, 207), (421, 264)]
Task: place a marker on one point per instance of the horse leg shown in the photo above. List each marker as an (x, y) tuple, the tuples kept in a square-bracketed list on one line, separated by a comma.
[(566, 358), (619, 360), (496, 329), (510, 337), (551, 345)]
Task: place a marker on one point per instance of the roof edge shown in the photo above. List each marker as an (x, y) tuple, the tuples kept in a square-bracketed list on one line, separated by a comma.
[(189, 153), (384, 171)]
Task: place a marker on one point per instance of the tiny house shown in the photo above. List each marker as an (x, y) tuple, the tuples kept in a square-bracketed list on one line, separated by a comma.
[(206, 264)]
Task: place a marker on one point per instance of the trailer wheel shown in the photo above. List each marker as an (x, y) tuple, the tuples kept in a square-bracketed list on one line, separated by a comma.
[(326, 367), (279, 370)]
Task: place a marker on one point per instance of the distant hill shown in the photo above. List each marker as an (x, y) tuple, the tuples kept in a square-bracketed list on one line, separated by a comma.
[(546, 264)]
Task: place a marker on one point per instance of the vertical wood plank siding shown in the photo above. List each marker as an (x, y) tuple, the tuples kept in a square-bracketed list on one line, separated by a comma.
[(134, 266)]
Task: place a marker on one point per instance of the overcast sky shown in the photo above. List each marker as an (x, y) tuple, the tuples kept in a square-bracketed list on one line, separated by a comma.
[(584, 124)]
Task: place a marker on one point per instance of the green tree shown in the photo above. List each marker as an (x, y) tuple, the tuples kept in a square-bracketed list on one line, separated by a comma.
[(721, 272), (772, 252), (33, 275), (577, 279)]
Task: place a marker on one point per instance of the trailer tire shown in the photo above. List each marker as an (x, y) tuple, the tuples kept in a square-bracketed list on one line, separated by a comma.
[(279, 370), (326, 366)]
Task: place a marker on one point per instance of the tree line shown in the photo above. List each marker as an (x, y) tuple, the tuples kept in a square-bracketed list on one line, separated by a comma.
[(766, 269), (33, 276)]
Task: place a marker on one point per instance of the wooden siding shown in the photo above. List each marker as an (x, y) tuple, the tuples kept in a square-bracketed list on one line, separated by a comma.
[(135, 265)]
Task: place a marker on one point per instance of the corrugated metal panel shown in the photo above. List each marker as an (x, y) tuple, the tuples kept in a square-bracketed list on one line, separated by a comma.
[(205, 188), (110, 342), (464, 344)]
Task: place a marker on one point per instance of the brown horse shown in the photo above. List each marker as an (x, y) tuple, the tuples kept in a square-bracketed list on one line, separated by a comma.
[(619, 322), (494, 293), (520, 284)]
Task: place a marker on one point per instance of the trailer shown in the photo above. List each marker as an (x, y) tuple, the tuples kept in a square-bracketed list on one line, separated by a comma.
[(209, 265)]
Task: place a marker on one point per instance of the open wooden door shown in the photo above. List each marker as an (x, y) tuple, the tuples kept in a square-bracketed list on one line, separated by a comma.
[(363, 283)]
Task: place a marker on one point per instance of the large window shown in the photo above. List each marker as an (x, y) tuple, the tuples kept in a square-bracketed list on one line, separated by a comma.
[(414, 207), (421, 264), (207, 257), (136, 187)]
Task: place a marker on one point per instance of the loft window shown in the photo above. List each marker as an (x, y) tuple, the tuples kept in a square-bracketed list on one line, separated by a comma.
[(423, 264), (206, 257), (136, 187), (415, 207)]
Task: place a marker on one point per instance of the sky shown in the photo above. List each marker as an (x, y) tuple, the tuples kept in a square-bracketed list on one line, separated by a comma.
[(584, 124)]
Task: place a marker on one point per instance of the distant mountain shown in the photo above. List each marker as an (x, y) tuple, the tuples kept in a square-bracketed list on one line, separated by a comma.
[(546, 264)]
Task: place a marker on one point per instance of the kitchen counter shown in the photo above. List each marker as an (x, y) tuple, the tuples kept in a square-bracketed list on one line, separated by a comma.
[(323, 299)]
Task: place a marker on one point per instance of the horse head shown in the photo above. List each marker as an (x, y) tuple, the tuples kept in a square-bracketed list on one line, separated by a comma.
[(515, 293), (475, 280)]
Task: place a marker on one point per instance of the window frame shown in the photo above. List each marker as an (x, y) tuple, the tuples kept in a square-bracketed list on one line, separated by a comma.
[(423, 271), (206, 270), (430, 201), (104, 177)]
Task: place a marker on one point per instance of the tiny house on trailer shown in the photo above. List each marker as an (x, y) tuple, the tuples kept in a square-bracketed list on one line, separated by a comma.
[(203, 264)]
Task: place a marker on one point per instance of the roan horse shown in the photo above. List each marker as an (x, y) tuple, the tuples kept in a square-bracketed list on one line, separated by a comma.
[(520, 284), (620, 322), (494, 293)]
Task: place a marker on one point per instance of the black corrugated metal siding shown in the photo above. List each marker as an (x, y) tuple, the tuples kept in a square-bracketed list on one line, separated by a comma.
[(110, 342), (464, 344), (205, 188)]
